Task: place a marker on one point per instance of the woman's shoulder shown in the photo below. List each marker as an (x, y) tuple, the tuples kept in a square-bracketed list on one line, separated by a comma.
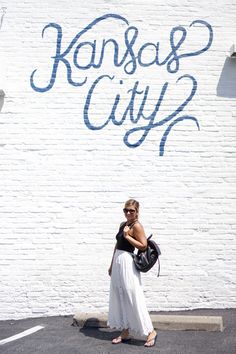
[(137, 225)]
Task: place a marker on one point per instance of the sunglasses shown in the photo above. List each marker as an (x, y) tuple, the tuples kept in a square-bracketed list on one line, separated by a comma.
[(131, 211)]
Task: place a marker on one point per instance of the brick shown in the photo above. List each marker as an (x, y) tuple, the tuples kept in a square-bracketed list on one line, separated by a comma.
[(63, 185)]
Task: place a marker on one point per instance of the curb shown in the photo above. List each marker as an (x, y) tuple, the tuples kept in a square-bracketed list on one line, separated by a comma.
[(162, 322)]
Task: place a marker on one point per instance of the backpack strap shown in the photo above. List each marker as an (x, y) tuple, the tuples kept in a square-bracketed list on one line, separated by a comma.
[(159, 267)]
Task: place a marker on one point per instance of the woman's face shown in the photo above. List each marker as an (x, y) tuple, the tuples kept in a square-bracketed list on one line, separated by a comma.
[(130, 213)]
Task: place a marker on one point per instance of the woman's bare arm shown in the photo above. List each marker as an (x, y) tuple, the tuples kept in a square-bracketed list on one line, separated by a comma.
[(136, 236)]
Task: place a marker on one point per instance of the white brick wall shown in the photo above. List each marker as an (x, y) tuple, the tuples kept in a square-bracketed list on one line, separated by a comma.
[(62, 185)]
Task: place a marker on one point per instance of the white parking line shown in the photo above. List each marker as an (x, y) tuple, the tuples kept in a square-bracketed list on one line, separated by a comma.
[(20, 335)]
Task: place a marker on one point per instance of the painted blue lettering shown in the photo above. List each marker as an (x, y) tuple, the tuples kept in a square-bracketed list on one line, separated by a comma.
[(91, 60), (166, 133), (88, 102), (148, 46), (130, 57), (60, 57)]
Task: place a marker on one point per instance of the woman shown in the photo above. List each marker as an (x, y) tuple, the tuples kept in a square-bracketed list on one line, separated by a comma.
[(127, 307)]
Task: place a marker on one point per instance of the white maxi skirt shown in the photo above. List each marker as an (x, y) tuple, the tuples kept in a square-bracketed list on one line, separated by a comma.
[(127, 306)]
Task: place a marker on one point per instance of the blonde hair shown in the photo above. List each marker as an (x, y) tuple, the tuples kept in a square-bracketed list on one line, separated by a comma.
[(134, 203)]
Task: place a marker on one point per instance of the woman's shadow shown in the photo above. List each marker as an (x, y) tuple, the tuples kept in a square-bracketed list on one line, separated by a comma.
[(91, 329)]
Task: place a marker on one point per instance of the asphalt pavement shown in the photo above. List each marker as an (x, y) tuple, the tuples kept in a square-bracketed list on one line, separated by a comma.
[(57, 336)]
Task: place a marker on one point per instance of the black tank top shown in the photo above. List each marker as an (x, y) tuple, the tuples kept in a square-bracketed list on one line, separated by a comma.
[(122, 243)]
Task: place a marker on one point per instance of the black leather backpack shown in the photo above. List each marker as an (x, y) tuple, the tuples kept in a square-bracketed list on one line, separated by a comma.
[(145, 260)]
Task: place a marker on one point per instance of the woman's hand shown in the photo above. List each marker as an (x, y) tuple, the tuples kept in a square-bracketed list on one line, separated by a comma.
[(126, 231)]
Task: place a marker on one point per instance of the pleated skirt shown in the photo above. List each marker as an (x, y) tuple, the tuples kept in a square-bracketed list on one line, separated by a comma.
[(127, 306)]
